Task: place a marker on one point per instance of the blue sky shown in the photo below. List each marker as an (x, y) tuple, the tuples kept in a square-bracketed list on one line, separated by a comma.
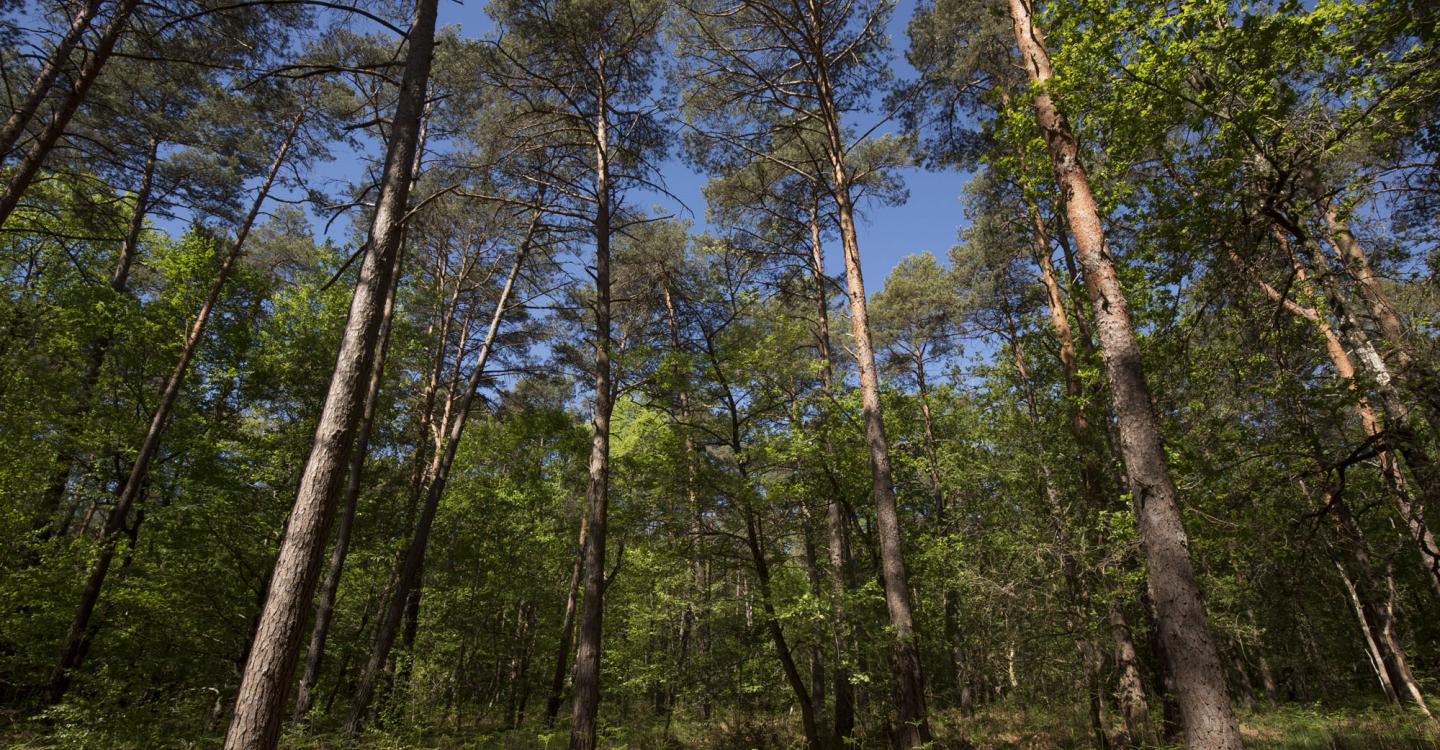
[(927, 221)]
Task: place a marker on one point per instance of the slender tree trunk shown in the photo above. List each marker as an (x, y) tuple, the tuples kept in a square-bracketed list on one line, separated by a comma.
[(40, 148), (1400, 433), (408, 581), (597, 491), (130, 489), (777, 634), (54, 494), (1372, 606), (1345, 368), (271, 665), (567, 629), (913, 725), (1076, 588), (330, 588), (838, 547), (1194, 661), (23, 113), (1417, 375), (692, 498), (1130, 690)]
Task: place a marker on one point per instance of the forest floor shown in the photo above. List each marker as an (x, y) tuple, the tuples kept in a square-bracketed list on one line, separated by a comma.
[(997, 727)]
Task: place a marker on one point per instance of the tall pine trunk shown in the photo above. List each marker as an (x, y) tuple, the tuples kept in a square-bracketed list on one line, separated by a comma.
[(1194, 661), (271, 663), (585, 710), (838, 547), (330, 588)]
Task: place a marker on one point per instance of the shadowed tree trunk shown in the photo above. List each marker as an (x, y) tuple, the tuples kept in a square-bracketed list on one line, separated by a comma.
[(586, 706), (838, 548), (329, 589), (271, 664), (567, 630), (1344, 366)]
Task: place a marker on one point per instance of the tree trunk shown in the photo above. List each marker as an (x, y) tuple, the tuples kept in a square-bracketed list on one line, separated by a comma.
[(130, 490), (1130, 690), (30, 164), (567, 630), (54, 494), (1417, 375), (1345, 368), (23, 113), (777, 635), (586, 706), (913, 725), (271, 665), (838, 547), (1194, 661), (329, 589), (408, 582)]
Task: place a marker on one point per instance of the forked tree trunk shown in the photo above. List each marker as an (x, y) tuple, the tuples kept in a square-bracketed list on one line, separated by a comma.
[(71, 650), (1205, 704), (271, 664)]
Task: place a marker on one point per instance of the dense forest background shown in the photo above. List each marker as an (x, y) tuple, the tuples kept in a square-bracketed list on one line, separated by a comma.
[(365, 383)]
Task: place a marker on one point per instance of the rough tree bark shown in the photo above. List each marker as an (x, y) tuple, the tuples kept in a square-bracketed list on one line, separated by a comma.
[(1130, 690), (838, 547), (1208, 715), (330, 588), (271, 664), (912, 727), (597, 491)]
